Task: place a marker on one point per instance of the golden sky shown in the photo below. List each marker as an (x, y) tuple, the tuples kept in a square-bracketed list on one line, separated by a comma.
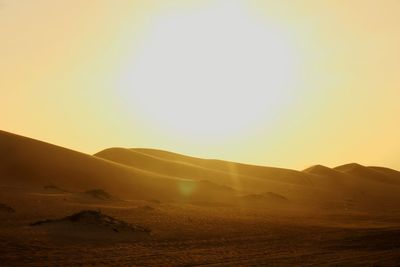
[(278, 83)]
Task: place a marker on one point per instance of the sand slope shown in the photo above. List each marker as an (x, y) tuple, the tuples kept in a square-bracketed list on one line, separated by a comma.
[(146, 207), (26, 161), (318, 185)]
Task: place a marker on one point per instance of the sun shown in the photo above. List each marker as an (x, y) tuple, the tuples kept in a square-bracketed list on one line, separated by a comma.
[(213, 73)]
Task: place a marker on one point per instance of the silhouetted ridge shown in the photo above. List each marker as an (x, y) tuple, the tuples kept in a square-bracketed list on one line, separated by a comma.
[(320, 170), (350, 167), (357, 170), (373, 173)]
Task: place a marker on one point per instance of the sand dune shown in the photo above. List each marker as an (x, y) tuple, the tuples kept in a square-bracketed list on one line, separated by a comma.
[(390, 173), (268, 173), (199, 211), (321, 170), (190, 168), (317, 182), (180, 169), (167, 176), (383, 175), (246, 179), (25, 161)]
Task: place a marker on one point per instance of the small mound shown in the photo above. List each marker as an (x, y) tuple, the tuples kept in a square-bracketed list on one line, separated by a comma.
[(6, 209), (95, 219), (268, 196), (99, 194), (146, 208), (156, 201), (54, 188)]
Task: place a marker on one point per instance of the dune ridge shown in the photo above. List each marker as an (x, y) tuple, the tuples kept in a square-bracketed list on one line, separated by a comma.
[(139, 173), (28, 161)]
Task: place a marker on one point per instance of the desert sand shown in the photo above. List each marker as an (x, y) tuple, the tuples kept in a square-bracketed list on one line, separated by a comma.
[(146, 207)]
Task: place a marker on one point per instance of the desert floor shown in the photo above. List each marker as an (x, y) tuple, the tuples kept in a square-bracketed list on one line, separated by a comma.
[(188, 234)]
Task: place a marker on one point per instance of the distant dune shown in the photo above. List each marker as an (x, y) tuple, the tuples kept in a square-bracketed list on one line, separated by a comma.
[(379, 174), (271, 173), (246, 179), (351, 181), (321, 170), (149, 173)]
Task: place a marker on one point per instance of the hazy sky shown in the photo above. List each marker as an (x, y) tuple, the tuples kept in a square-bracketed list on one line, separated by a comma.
[(278, 83)]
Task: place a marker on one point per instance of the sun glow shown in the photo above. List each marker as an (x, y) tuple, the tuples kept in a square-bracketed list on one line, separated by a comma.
[(217, 72)]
